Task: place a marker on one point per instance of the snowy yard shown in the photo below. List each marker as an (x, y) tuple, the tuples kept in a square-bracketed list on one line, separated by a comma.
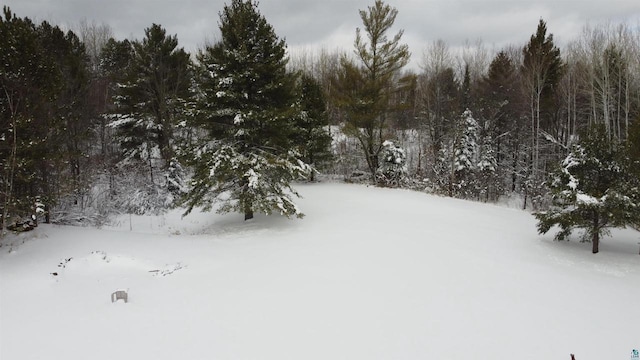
[(368, 274)]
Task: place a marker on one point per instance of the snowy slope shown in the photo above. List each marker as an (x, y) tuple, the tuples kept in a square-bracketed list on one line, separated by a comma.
[(368, 274)]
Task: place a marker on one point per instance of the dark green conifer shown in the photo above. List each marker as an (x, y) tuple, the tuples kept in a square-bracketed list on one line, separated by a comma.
[(43, 77), (594, 190), (312, 137), (247, 104), (152, 99)]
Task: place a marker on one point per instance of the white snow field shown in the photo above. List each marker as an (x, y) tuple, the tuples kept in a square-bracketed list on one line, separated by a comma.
[(369, 274)]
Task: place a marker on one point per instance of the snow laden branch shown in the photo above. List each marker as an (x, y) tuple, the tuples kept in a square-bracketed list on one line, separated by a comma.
[(239, 181)]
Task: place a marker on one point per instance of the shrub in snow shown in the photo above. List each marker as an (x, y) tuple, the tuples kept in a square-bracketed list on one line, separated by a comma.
[(136, 188), (175, 179), (393, 165), (20, 224), (358, 176), (26, 219)]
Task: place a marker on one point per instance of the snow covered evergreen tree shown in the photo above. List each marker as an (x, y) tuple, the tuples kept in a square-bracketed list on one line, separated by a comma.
[(246, 103), (466, 150), (465, 155), (487, 178), (153, 98), (393, 165), (595, 189), (244, 181)]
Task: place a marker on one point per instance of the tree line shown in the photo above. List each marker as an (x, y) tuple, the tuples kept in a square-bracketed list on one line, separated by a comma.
[(92, 125), (479, 124)]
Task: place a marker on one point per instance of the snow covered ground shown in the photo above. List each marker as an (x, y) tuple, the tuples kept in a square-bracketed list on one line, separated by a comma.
[(368, 274)]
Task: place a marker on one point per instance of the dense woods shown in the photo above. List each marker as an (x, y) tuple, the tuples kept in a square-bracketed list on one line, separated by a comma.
[(91, 125)]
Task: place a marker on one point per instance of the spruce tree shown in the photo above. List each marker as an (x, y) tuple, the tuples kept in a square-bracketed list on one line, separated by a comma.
[(247, 103)]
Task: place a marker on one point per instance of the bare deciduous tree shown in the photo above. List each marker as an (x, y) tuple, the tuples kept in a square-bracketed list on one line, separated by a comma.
[(94, 36)]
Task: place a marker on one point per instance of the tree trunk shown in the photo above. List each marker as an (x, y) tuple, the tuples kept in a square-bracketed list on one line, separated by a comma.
[(596, 234), (47, 217), (312, 177), (10, 176), (248, 213)]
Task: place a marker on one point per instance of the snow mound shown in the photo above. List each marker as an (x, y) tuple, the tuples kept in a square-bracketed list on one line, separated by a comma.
[(105, 265)]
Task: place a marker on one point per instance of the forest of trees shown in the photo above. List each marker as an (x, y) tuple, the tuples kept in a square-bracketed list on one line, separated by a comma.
[(91, 125)]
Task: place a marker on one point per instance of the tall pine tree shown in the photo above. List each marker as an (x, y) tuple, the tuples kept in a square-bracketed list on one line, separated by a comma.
[(152, 100), (247, 105), (362, 90), (502, 113), (542, 70)]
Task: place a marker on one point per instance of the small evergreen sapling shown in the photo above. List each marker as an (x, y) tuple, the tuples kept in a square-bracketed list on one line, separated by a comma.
[(393, 165), (488, 182), (465, 155), (593, 190)]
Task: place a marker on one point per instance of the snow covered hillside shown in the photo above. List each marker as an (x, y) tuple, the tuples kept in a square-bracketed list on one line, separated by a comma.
[(369, 273)]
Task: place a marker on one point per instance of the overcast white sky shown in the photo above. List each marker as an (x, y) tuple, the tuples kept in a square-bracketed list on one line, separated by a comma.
[(332, 23)]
